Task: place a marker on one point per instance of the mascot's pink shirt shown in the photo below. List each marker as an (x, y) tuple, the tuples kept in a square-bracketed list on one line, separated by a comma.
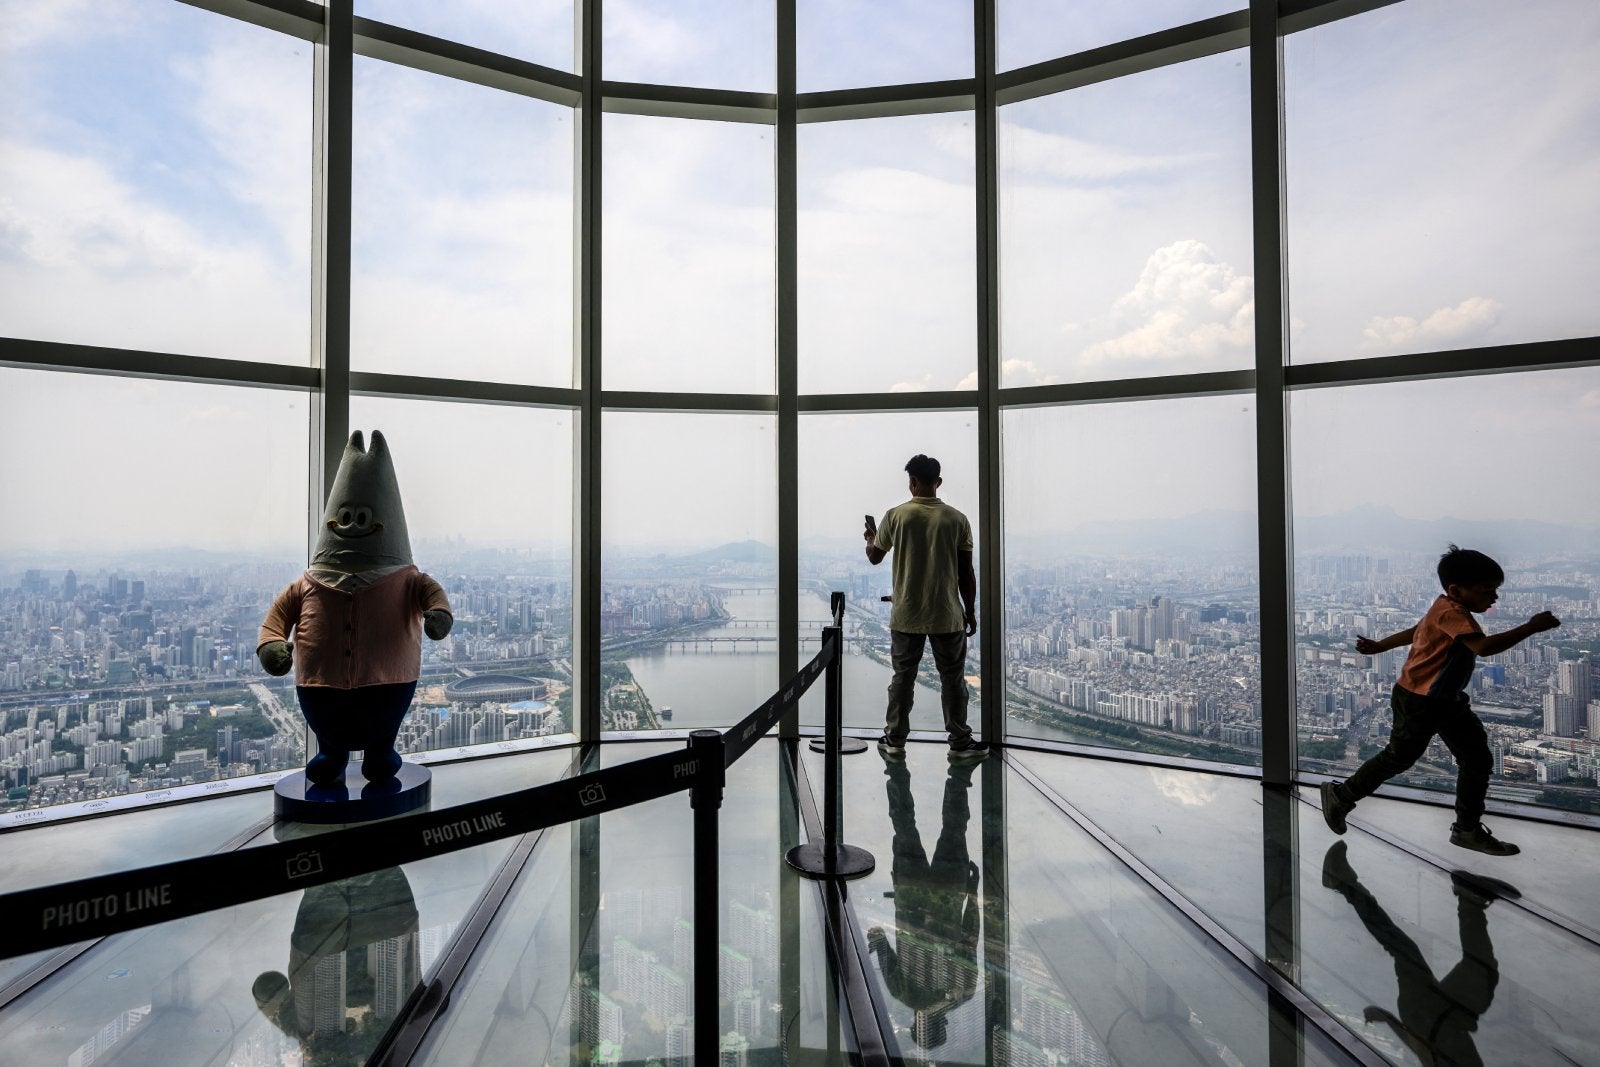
[(349, 638)]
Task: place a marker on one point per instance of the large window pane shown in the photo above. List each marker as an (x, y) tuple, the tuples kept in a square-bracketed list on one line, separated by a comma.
[(852, 466), (887, 255), (1440, 177), (156, 167), (712, 44), (845, 44), (1125, 227), (1132, 605), (539, 30), (1030, 31), (462, 229), (688, 531), (148, 526), (688, 255), (1518, 484), (501, 545)]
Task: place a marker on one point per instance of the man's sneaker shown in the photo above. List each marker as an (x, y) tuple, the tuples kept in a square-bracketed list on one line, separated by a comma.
[(891, 748), (973, 750), (1335, 807), (1479, 839)]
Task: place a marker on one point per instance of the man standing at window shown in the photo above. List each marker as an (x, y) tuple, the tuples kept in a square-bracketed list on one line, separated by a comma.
[(934, 593)]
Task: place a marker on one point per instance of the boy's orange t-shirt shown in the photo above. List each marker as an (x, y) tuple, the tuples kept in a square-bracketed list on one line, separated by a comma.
[(1439, 666)]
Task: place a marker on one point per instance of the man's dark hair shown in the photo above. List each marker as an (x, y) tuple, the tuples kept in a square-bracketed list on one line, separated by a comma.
[(1468, 566), (924, 469)]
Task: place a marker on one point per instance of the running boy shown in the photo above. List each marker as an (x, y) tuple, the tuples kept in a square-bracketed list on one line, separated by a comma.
[(1430, 699)]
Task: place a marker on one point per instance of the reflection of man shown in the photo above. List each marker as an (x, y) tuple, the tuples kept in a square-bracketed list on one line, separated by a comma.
[(935, 591), (366, 925), (933, 965), (1434, 1017)]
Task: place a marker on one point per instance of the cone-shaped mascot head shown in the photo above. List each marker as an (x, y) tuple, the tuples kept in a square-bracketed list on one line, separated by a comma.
[(364, 524)]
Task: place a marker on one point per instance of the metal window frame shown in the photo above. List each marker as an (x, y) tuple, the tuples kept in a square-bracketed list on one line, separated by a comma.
[(327, 376), (1260, 27)]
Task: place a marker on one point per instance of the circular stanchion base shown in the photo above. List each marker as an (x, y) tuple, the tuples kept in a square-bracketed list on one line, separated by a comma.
[(848, 746), (848, 861), (296, 799)]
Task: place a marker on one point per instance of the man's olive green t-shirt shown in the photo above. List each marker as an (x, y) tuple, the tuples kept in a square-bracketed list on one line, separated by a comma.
[(926, 534)]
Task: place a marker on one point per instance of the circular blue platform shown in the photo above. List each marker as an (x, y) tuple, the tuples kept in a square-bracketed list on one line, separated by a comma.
[(295, 799)]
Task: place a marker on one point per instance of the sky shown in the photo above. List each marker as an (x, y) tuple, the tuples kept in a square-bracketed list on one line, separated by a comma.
[(156, 193)]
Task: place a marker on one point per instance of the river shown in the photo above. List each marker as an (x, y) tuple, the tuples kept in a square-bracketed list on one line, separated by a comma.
[(718, 688)]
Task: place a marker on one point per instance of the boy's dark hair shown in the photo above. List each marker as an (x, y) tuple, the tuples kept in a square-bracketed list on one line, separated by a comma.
[(1468, 566), (924, 469)]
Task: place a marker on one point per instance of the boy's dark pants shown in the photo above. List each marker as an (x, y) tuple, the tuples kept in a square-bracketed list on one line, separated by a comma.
[(1416, 720)]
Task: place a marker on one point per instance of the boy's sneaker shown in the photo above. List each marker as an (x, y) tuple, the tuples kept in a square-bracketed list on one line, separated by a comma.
[(890, 748), (1336, 869), (1480, 889), (1479, 839), (973, 750), (1335, 807)]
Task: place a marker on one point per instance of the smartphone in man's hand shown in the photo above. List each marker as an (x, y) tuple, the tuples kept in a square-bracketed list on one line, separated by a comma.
[(872, 524)]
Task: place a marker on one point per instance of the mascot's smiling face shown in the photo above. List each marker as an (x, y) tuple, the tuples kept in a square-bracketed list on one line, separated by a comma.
[(364, 525)]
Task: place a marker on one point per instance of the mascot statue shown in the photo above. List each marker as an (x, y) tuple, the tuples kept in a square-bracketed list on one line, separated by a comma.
[(357, 615)]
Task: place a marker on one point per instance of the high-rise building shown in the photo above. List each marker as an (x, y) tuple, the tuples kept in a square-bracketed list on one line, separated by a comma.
[(1560, 714)]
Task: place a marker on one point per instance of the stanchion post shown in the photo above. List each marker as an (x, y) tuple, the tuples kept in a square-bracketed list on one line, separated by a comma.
[(834, 690), (705, 797), (831, 858), (830, 731)]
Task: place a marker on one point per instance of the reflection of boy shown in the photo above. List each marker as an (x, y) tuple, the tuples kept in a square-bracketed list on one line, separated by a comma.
[(1429, 698), (1434, 1017)]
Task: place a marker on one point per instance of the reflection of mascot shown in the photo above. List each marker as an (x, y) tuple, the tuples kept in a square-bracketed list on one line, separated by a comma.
[(354, 946), (356, 614)]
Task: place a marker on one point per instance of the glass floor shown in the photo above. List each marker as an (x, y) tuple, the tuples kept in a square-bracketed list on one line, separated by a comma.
[(1034, 908)]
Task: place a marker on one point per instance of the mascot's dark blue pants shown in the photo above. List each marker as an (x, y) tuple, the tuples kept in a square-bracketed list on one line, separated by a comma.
[(365, 718)]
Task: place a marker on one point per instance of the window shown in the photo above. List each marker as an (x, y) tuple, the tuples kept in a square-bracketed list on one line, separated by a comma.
[(689, 620), (461, 230), (887, 258), (1132, 613), (1125, 227), (1438, 165), (1367, 539), (156, 161)]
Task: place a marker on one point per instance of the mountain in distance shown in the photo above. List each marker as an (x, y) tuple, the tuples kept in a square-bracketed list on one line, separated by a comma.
[(735, 552), (1372, 531)]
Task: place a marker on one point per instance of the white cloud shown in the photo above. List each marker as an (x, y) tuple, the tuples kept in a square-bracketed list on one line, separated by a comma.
[(647, 38), (77, 237), (1034, 153), (1014, 374), (1190, 790), (1186, 305), (1471, 318), (252, 104), (29, 25)]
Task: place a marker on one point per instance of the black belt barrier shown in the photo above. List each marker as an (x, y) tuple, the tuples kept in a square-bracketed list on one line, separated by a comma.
[(88, 908), (754, 726), (68, 912)]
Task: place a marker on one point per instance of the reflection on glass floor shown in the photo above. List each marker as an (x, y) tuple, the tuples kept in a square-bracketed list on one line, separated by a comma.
[(602, 971), (1002, 925), (319, 973), (1404, 938), (1018, 938)]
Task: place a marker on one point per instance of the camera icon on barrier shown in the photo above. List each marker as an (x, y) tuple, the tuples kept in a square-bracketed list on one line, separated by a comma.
[(302, 864), (591, 794)]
